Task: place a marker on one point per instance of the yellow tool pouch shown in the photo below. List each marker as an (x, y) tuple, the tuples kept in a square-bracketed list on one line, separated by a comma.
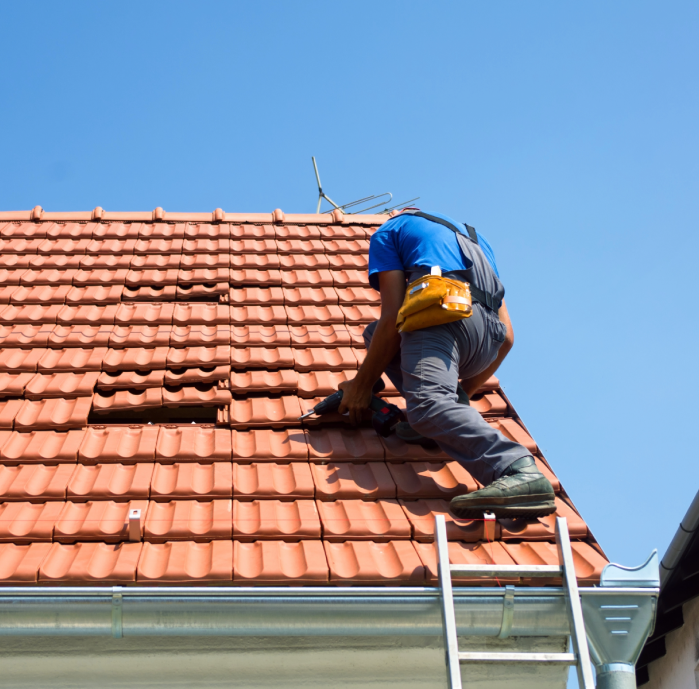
[(433, 300)]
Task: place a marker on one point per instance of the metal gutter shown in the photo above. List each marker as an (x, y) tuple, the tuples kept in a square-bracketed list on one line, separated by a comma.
[(279, 611)]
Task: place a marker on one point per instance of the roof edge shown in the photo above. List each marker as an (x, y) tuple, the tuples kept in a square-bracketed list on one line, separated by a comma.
[(278, 217)]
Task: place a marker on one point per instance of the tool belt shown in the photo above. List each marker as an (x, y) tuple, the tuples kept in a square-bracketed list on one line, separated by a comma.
[(434, 300)]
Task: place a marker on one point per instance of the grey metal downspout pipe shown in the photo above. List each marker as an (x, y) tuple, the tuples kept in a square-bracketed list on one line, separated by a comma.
[(686, 530)]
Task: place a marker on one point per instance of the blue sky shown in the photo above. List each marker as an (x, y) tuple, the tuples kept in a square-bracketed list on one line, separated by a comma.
[(565, 132)]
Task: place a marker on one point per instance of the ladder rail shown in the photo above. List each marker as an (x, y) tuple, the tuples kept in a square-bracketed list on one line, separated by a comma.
[(575, 613), (448, 612), (566, 570)]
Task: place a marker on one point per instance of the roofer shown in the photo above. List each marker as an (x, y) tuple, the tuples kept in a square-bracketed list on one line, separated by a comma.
[(441, 343)]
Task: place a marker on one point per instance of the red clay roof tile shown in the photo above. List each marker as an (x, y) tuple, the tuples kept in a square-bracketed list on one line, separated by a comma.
[(277, 562), (194, 261), (110, 400), (108, 246), (19, 564), (349, 278), (252, 276), (17, 360), (376, 520), (151, 313), (192, 480), (89, 314), (272, 480), (13, 314), (341, 444), (55, 413), (296, 232), (79, 336), (75, 359), (544, 529), (265, 411), (146, 336), (169, 231), (158, 245), (360, 313), (399, 451), (285, 380), (261, 357), (321, 383), (65, 384), (116, 482), (40, 447), (200, 335), (201, 313), (94, 294), (299, 246), (350, 480), (8, 412), (94, 562), (99, 276), (260, 335), (267, 445), (258, 315), (25, 335), (465, 554), (312, 262), (275, 520), (369, 563), (444, 480), (306, 278), (97, 520), (256, 295), (28, 522), (199, 395), (186, 562), (188, 520), (324, 359), (421, 514), (149, 293), (256, 261), (157, 277), (135, 359), (96, 261), (357, 295), (34, 482), (198, 357), (320, 335), (347, 262), (302, 315), (203, 230), (253, 246), (67, 245), (192, 376), (121, 444), (13, 384), (193, 444), (46, 276)]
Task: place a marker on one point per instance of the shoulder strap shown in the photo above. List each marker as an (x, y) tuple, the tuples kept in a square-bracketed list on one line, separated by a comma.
[(471, 231)]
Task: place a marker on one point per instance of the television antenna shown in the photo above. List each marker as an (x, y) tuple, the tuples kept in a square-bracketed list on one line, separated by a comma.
[(359, 202)]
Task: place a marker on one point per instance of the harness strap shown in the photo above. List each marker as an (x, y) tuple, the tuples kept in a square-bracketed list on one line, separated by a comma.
[(481, 296)]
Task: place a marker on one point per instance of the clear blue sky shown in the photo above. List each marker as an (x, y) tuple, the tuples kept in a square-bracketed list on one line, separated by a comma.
[(567, 133)]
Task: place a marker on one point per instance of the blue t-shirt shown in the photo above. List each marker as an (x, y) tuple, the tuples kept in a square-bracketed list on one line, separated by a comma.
[(407, 241)]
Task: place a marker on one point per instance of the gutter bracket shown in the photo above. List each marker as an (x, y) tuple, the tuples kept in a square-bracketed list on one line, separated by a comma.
[(508, 609), (117, 608)]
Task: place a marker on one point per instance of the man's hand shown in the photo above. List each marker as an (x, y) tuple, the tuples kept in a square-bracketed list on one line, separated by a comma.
[(355, 399)]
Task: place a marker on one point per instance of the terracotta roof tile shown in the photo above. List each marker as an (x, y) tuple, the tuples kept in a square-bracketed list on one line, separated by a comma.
[(110, 400), (274, 412), (349, 278), (444, 480), (272, 480), (200, 395), (200, 335), (121, 444), (347, 262), (544, 529), (306, 278), (67, 245), (375, 520), (267, 445), (167, 231), (158, 245), (79, 336), (188, 520), (324, 359), (146, 336), (205, 375), (350, 480), (65, 384), (201, 313), (277, 562), (186, 562), (96, 520), (284, 380), (320, 335), (41, 447), (297, 232), (399, 451), (321, 383), (20, 260), (197, 357), (46, 276), (96, 261), (357, 295), (258, 315), (256, 295), (19, 564), (117, 482), (94, 294), (88, 314), (17, 360), (300, 315), (152, 313), (12, 276), (370, 563), (55, 413), (149, 293), (260, 335), (421, 514), (193, 444), (116, 230), (196, 261), (466, 554), (25, 335), (20, 245), (28, 522), (76, 359), (158, 277), (94, 562), (252, 276), (261, 357), (135, 359), (255, 261), (360, 313), (309, 296), (13, 314), (311, 262), (99, 276), (258, 520), (192, 480), (13, 384), (108, 246), (34, 482), (344, 445)]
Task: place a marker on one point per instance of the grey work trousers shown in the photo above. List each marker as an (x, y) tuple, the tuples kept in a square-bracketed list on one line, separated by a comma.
[(427, 371)]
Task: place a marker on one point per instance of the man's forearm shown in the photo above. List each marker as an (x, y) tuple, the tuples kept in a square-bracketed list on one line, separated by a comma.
[(385, 343)]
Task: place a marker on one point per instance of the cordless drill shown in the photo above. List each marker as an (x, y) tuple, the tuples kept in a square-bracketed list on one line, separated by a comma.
[(384, 418)]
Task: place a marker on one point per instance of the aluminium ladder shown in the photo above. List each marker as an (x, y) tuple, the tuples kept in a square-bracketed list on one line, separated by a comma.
[(566, 570)]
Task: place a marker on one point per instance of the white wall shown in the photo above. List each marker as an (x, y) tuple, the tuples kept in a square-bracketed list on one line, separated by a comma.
[(678, 668)]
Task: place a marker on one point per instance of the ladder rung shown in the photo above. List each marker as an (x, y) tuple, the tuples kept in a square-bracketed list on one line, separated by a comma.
[(477, 657), (505, 570)]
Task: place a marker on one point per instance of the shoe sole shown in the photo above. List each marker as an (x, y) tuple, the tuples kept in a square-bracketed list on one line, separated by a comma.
[(530, 510)]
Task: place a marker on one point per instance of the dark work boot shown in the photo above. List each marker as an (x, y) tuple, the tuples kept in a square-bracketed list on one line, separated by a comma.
[(408, 435), (522, 491)]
